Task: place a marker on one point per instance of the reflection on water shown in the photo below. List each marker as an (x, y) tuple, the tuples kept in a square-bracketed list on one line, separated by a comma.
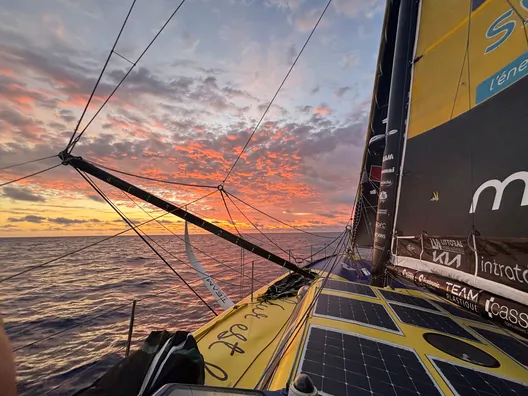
[(87, 297)]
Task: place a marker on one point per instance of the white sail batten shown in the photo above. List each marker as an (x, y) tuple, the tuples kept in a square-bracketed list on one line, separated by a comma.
[(223, 300)]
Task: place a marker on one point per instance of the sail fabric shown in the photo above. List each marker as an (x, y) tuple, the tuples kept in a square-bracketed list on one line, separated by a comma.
[(221, 298), (463, 205)]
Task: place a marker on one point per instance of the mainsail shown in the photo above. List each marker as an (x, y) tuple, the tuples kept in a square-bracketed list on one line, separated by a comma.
[(462, 198), (221, 298)]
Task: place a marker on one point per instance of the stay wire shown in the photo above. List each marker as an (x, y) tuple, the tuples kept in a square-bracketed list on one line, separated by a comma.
[(152, 178), (95, 243), (131, 224), (74, 142), (31, 175), (28, 162), (276, 93), (101, 74), (201, 251), (256, 228), (229, 213), (274, 218)]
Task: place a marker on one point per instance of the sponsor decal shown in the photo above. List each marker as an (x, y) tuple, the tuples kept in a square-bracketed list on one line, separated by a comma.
[(500, 30), (392, 132), (499, 189), (449, 252), (512, 314), (382, 211), (381, 225), (386, 183), (388, 157), (462, 291), (380, 236), (435, 197), (373, 192), (446, 259), (388, 170), (383, 196)]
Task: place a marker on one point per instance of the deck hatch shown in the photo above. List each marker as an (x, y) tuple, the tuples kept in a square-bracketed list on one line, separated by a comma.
[(407, 299), (348, 287), (431, 321), (356, 311), (346, 364), (460, 313), (509, 345), (468, 381)]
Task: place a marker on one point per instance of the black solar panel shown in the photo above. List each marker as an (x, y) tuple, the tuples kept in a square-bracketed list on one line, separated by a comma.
[(459, 312), (407, 299), (509, 345), (349, 365), (357, 311), (349, 287), (466, 381), (431, 321)]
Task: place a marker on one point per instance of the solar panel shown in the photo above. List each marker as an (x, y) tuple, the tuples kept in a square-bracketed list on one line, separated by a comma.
[(509, 345), (467, 381), (349, 287), (407, 299), (458, 312), (431, 321), (345, 364), (356, 311)]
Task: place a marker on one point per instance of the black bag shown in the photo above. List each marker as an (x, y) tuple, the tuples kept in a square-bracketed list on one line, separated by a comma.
[(164, 358)]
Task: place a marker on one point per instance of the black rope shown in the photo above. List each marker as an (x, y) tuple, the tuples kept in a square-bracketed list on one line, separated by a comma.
[(27, 162), (229, 213), (31, 175), (95, 243), (276, 93), (256, 228), (201, 251), (74, 142), (152, 178), (101, 75), (274, 218), (131, 224)]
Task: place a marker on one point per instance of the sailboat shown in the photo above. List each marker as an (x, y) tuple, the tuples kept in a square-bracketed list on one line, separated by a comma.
[(426, 292)]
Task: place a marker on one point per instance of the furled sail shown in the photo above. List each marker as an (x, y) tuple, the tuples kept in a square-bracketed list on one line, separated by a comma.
[(221, 298), (462, 209)]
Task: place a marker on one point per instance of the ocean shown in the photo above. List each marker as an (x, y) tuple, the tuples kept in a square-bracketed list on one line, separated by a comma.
[(68, 321)]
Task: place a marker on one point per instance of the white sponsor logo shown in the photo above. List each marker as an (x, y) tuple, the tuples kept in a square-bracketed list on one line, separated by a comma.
[(388, 170), (382, 211), (445, 259), (373, 192), (388, 157), (380, 225), (464, 292), (386, 183), (392, 132), (514, 274), (506, 313), (499, 190), (380, 236), (382, 196)]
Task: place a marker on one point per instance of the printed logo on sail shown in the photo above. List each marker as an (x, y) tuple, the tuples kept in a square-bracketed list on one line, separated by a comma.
[(388, 157), (382, 211), (517, 275), (386, 183), (388, 170), (392, 132), (381, 225), (382, 196), (380, 236), (499, 190), (495, 308)]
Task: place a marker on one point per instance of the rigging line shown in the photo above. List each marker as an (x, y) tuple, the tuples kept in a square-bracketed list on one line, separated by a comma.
[(31, 175), (95, 243), (325, 247), (469, 108), (523, 21), (182, 239), (74, 142), (274, 218), (264, 235), (131, 224), (466, 56), (229, 213), (277, 92), (150, 178), (101, 75), (27, 162)]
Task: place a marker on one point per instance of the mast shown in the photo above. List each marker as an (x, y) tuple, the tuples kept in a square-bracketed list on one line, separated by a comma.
[(80, 164), (396, 117)]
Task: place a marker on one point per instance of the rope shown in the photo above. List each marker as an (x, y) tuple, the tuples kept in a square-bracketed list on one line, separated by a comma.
[(95, 243), (100, 75), (274, 218), (131, 224), (276, 93), (74, 142), (151, 178), (31, 175), (27, 162), (229, 213)]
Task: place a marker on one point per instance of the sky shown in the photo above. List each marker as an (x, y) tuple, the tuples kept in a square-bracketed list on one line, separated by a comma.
[(186, 110)]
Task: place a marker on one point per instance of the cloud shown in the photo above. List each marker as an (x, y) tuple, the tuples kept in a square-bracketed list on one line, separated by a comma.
[(358, 8), (287, 5), (349, 60), (28, 218), (323, 109), (22, 194), (340, 92), (189, 42), (306, 20), (314, 90)]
